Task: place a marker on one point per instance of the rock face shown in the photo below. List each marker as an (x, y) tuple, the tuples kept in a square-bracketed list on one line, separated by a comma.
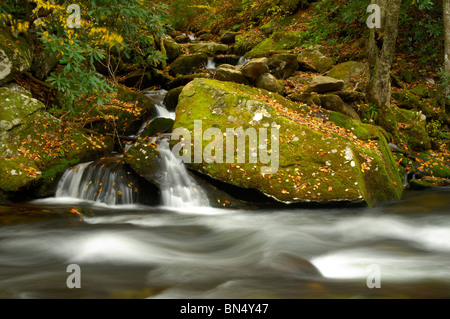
[(255, 67), (26, 163), (16, 55), (319, 61), (315, 161), (323, 84), (230, 73), (187, 64)]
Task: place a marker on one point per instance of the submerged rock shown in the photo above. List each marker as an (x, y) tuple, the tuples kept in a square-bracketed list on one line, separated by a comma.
[(315, 161)]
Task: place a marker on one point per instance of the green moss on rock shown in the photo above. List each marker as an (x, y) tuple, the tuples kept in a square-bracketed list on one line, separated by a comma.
[(314, 165)]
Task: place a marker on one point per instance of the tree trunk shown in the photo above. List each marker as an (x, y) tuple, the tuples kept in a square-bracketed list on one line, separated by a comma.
[(381, 53), (446, 18)]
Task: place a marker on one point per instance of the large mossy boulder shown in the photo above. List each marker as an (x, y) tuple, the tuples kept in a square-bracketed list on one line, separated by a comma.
[(16, 55), (36, 148), (185, 65), (318, 161)]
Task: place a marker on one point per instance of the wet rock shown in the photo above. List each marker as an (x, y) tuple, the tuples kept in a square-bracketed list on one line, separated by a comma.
[(182, 39), (205, 37), (171, 99)]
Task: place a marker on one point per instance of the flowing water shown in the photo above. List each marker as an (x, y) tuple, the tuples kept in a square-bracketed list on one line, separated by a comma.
[(157, 252), (185, 249)]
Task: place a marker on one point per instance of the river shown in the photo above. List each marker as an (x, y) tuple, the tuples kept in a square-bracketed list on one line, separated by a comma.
[(134, 251)]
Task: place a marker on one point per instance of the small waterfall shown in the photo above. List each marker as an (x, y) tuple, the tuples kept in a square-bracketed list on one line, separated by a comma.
[(211, 65), (242, 60), (104, 181), (157, 97), (178, 189), (107, 181)]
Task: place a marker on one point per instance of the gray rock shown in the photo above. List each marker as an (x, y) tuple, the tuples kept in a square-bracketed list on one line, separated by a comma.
[(211, 48), (43, 63), (255, 67), (319, 61), (173, 49), (229, 73), (283, 66), (270, 83), (334, 103), (187, 64), (322, 84), (182, 39), (205, 37), (228, 37)]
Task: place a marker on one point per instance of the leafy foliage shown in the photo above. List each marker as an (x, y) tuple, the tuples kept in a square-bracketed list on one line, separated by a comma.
[(125, 28)]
